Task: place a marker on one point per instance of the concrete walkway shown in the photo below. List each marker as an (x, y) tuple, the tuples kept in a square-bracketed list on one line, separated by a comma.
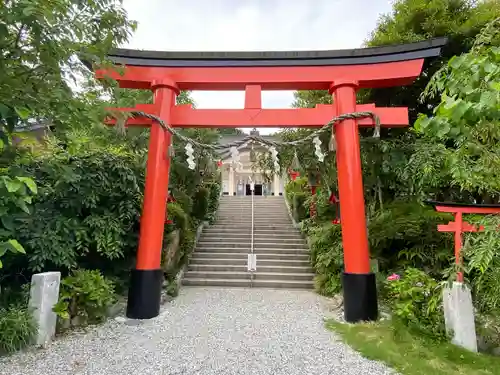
[(206, 331)]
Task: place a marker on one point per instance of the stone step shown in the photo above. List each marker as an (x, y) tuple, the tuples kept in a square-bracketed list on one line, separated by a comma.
[(246, 231), (261, 203), (246, 250), (243, 262), (281, 284), (263, 207), (243, 268), (247, 235), (247, 240), (260, 256), (246, 275), (257, 245), (260, 223), (257, 225), (248, 216), (267, 207), (247, 219)]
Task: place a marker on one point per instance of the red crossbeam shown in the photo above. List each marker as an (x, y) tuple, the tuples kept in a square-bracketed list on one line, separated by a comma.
[(269, 78), (469, 210), (466, 227), (186, 116)]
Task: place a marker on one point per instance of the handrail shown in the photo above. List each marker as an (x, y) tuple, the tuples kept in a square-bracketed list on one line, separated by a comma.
[(251, 238), (252, 270)]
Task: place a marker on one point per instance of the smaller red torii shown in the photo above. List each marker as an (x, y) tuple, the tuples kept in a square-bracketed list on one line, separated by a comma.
[(460, 226)]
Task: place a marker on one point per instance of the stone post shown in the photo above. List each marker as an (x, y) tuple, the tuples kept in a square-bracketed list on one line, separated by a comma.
[(231, 181), (459, 316), (44, 294), (276, 183)]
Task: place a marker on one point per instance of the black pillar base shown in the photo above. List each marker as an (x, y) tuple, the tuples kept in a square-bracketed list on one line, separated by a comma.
[(360, 297), (144, 294)]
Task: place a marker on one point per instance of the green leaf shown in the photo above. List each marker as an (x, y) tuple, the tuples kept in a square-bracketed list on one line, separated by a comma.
[(23, 112), (22, 205), (29, 183), (8, 222), (12, 185), (16, 246)]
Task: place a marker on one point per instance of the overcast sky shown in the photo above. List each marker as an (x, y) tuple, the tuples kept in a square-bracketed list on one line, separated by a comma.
[(251, 25)]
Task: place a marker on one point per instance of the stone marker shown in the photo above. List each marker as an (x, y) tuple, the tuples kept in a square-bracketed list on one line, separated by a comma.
[(459, 315), (44, 294)]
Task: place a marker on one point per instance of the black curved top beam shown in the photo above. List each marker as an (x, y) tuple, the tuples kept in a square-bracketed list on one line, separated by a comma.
[(372, 55), (453, 204)]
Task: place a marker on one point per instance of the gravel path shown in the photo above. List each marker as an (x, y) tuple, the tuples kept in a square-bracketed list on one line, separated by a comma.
[(206, 331)]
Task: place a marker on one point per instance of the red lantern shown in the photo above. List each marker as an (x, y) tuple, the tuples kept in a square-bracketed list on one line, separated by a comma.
[(334, 200), (170, 199), (294, 170), (314, 182), (219, 163), (293, 174)]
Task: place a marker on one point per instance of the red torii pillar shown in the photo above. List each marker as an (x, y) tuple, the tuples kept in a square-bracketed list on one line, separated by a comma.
[(342, 72), (147, 277)]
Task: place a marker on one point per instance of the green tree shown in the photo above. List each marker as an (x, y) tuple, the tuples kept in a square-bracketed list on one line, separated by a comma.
[(416, 20), (464, 126), (40, 42), (412, 21)]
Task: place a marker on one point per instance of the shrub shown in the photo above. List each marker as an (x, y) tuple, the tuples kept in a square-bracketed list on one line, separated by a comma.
[(17, 328), (297, 194), (326, 257), (415, 301), (183, 200), (300, 211), (178, 216), (214, 196), (200, 203), (172, 288), (85, 294), (88, 206), (404, 235)]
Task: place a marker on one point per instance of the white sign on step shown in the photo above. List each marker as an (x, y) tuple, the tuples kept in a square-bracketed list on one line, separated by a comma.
[(252, 262)]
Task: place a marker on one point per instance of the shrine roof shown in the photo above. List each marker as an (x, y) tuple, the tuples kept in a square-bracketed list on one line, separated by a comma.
[(225, 139), (370, 55)]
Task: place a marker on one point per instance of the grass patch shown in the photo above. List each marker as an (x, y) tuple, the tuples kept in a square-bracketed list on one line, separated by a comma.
[(411, 355)]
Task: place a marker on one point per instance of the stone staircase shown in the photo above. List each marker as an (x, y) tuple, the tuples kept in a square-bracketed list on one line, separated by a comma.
[(220, 258)]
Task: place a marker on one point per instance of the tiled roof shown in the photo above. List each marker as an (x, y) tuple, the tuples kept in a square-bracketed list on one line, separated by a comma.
[(225, 139)]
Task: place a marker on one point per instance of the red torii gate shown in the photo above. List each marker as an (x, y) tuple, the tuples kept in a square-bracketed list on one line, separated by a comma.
[(342, 72), (460, 226)]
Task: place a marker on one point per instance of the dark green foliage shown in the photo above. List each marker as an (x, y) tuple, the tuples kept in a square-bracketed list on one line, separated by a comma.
[(85, 294), (17, 328), (87, 210), (178, 216), (297, 195), (173, 289), (299, 209), (200, 203), (415, 301), (404, 234), (326, 256), (183, 199), (214, 196)]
